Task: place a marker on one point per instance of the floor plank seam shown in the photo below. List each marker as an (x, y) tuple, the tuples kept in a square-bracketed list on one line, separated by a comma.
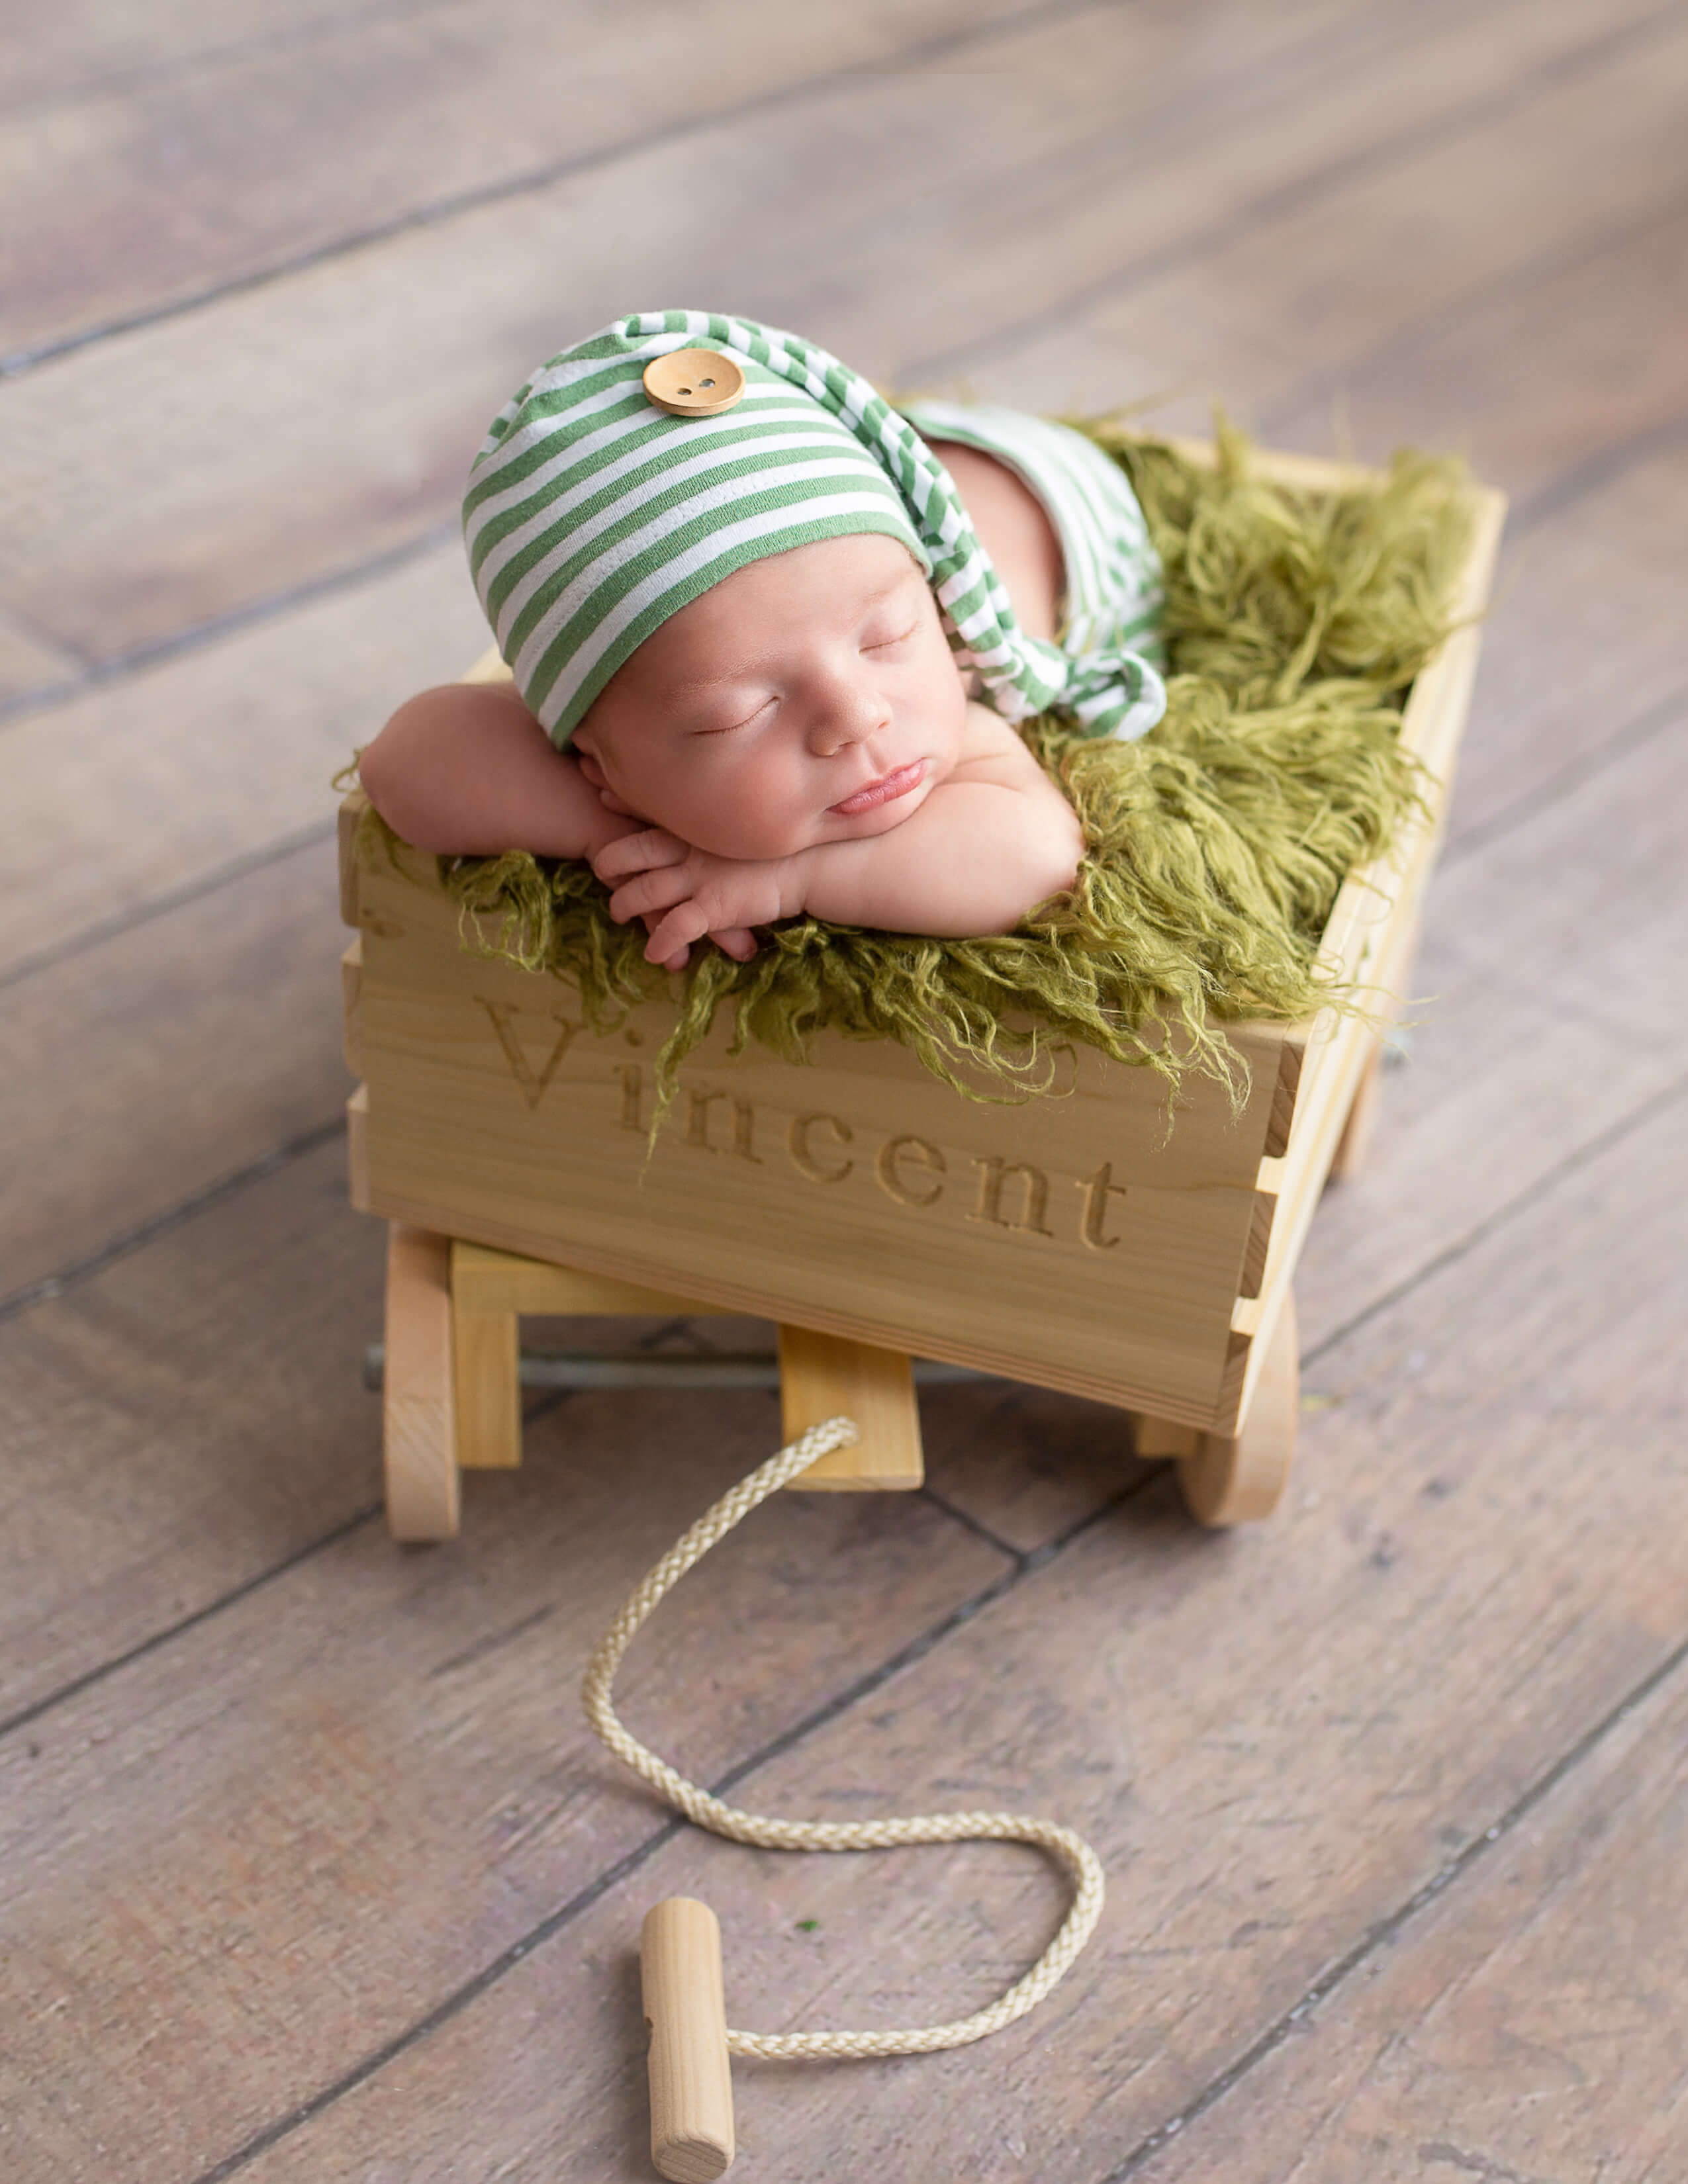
[(1590, 475), (1374, 157), (462, 1997), (155, 1641), (1622, 743), (442, 210), (1579, 1157), (1385, 1930), (160, 1224), (1426, 327), (51, 98), (966, 1518), (202, 635), (1595, 471), (160, 905)]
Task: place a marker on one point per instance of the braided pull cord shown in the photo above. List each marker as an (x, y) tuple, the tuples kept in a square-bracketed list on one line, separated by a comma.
[(723, 1819)]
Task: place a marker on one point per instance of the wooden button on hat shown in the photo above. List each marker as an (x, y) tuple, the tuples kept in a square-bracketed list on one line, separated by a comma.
[(693, 382)]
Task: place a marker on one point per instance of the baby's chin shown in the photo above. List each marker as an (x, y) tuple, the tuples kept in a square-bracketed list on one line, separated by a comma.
[(764, 845)]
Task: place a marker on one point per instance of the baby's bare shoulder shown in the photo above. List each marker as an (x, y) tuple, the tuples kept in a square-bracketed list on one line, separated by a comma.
[(994, 750)]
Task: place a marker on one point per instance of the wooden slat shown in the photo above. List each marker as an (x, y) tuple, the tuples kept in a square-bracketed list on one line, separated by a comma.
[(358, 1150), (821, 1378), (61, 54), (419, 1388), (183, 1420), (282, 479), (1025, 1462), (487, 1352), (501, 1281), (1545, 694), (942, 1211), (141, 1071), (352, 998), (1272, 1743), (1585, 900), (1291, 318), (199, 765), (1260, 1239), (28, 663), (1523, 2026), (371, 118)]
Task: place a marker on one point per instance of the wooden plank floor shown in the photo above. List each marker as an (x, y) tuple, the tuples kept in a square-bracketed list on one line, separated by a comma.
[(308, 1868)]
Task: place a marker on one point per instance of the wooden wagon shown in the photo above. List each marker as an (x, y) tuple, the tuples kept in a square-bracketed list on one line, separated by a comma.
[(870, 1212)]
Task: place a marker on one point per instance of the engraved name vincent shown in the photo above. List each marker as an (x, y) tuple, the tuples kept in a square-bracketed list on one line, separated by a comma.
[(824, 1147)]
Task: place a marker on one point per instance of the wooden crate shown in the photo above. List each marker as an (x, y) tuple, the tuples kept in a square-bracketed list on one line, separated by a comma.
[(1070, 1241)]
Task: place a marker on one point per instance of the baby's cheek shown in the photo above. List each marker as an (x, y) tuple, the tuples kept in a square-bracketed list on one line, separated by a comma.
[(727, 808)]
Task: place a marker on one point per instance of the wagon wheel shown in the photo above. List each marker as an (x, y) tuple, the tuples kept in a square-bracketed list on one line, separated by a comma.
[(419, 1409), (1236, 1482)]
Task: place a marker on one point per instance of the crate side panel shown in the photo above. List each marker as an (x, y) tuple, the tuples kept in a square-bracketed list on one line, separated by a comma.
[(1063, 1239)]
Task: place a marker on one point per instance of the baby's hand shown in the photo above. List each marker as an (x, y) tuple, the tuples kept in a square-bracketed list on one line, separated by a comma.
[(683, 893)]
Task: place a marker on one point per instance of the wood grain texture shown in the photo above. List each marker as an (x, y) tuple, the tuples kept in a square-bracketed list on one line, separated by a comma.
[(143, 1070), (292, 696), (1535, 1026), (821, 1378), (185, 1420), (286, 1833), (691, 2075), (1593, 584), (1287, 316), (66, 52), (420, 1397), (359, 1783), (1272, 1743), (863, 1198), (272, 476), (361, 120), (29, 663), (193, 767), (335, 668), (1527, 2025)]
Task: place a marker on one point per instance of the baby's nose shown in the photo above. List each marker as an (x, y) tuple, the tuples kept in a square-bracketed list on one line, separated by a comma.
[(850, 718)]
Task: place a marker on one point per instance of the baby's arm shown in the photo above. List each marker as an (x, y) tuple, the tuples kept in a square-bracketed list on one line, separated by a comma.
[(989, 844), (466, 771)]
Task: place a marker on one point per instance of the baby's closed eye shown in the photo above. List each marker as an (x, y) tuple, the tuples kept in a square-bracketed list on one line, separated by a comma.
[(731, 728)]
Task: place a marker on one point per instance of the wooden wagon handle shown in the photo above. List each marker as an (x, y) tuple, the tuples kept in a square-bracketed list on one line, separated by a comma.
[(685, 2008)]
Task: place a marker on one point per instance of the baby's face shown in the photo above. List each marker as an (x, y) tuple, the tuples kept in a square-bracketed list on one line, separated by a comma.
[(808, 698)]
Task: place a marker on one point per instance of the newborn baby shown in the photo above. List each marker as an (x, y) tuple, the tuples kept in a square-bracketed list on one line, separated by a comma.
[(769, 638)]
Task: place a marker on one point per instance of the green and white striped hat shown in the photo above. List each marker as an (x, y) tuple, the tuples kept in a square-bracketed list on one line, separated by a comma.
[(592, 515)]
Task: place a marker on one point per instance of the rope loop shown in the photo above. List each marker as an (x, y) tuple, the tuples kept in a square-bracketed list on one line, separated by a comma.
[(1070, 1850)]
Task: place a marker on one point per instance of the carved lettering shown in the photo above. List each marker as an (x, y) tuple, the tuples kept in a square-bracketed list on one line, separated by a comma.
[(1098, 1189), (993, 1174), (698, 1105), (797, 1143), (531, 1083), (632, 1096), (744, 1126), (915, 1152)]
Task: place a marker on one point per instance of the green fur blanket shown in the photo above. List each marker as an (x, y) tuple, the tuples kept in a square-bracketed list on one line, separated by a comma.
[(1215, 845)]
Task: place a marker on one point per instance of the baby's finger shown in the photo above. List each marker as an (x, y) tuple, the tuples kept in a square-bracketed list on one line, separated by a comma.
[(648, 851), (649, 891), (682, 926), (736, 941)]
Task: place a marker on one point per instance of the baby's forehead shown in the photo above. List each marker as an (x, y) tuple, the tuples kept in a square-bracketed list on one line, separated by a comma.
[(773, 606)]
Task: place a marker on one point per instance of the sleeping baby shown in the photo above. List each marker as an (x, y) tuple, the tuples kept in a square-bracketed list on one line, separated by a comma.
[(770, 638)]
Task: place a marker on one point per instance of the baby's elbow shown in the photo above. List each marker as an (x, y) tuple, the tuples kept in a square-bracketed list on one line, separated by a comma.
[(1053, 869), (397, 784)]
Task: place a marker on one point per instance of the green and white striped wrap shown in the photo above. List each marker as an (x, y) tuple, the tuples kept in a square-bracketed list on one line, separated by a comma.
[(591, 516)]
